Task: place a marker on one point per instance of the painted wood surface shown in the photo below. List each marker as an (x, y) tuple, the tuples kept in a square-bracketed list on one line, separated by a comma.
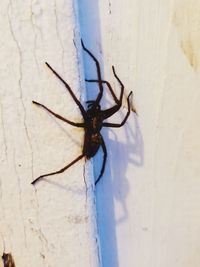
[(53, 222), (148, 199)]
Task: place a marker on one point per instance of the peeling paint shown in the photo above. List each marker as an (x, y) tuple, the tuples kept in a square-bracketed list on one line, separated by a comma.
[(77, 219)]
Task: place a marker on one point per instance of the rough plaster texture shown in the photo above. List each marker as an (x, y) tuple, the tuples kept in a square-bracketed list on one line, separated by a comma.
[(53, 223)]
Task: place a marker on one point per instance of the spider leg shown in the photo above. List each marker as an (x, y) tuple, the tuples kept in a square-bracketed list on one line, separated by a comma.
[(58, 116), (122, 91), (60, 171), (69, 89), (122, 86), (104, 160), (99, 80), (117, 125), (109, 87), (110, 111)]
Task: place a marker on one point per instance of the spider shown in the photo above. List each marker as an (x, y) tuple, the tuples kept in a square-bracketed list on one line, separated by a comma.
[(93, 117)]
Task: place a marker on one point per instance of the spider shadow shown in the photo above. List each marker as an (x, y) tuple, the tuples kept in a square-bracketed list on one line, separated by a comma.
[(72, 189), (66, 131), (131, 152), (114, 185)]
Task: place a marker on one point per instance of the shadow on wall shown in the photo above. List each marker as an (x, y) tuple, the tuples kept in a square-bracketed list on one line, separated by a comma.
[(114, 186), (131, 151), (127, 153)]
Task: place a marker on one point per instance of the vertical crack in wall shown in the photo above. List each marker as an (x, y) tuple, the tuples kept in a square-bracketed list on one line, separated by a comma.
[(20, 87), (86, 188), (35, 35), (58, 34), (42, 237), (20, 83), (3, 132), (76, 33), (39, 231), (90, 191), (20, 199)]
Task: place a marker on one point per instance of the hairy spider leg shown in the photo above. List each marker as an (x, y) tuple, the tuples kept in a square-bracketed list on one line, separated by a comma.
[(70, 91), (120, 82), (122, 85), (98, 73), (104, 160), (117, 101), (109, 87), (109, 112), (60, 171), (117, 125), (58, 116)]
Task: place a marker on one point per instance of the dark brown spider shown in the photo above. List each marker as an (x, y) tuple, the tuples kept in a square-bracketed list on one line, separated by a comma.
[(93, 117)]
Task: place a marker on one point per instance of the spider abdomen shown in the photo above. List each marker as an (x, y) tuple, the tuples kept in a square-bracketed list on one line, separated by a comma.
[(92, 143)]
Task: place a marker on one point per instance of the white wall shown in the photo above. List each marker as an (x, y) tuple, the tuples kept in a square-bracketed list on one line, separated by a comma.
[(148, 199), (51, 224)]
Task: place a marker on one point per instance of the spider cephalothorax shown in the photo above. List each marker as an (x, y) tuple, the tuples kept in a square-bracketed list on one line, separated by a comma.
[(93, 117), (92, 106)]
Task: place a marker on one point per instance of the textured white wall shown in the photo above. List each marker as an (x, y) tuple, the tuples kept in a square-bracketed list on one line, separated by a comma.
[(148, 199), (51, 224)]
